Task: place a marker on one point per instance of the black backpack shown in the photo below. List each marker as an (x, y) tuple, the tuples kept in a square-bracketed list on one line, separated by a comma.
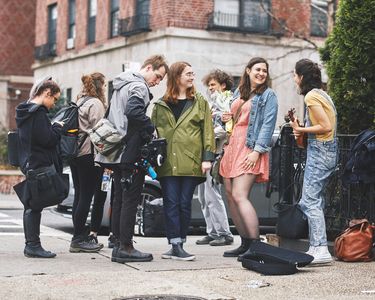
[(70, 143), (360, 166)]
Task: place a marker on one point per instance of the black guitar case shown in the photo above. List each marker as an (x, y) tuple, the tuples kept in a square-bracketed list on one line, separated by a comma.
[(270, 260)]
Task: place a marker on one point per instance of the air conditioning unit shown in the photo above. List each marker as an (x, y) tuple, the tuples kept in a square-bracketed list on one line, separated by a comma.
[(70, 43)]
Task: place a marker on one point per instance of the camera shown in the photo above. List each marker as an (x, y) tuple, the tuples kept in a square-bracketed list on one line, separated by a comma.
[(154, 152)]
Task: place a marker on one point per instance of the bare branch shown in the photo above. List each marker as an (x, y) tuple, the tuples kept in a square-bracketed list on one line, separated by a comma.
[(286, 28)]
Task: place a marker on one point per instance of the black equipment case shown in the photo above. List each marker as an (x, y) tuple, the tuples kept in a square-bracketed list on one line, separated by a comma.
[(270, 260)]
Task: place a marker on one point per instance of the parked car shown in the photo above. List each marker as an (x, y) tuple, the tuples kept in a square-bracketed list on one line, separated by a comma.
[(262, 199)]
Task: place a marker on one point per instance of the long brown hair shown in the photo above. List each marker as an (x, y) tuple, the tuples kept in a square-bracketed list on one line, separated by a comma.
[(312, 76), (245, 84), (173, 81), (93, 85)]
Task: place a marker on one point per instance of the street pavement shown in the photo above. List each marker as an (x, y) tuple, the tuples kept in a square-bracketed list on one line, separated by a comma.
[(210, 276)]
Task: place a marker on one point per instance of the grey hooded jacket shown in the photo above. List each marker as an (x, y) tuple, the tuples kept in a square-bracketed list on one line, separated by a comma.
[(131, 96)]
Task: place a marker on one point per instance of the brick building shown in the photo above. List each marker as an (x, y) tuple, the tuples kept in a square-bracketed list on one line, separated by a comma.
[(17, 28), (74, 37)]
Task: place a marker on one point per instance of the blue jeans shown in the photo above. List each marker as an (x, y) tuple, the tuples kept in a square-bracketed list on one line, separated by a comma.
[(177, 195), (320, 164)]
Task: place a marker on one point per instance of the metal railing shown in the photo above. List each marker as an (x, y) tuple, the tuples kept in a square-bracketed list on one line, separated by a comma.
[(134, 25), (343, 203), (45, 51), (245, 23)]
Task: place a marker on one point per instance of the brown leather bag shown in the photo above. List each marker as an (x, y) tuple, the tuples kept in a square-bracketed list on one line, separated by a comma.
[(356, 242)]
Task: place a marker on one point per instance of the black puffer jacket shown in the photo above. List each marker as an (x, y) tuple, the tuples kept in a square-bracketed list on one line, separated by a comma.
[(38, 139)]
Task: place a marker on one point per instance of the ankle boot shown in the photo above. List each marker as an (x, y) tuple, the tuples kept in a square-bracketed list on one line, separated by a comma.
[(127, 253), (248, 251), (179, 253), (116, 246), (245, 244), (36, 250)]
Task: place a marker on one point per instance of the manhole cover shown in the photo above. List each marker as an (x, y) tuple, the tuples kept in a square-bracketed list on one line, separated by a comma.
[(161, 297)]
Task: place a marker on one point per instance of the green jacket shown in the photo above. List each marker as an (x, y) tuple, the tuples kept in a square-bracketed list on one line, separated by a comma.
[(190, 139)]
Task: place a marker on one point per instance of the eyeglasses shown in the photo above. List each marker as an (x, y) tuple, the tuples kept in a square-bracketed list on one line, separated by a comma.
[(55, 99), (189, 74)]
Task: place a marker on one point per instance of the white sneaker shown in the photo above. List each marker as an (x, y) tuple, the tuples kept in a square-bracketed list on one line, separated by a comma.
[(311, 250), (321, 255)]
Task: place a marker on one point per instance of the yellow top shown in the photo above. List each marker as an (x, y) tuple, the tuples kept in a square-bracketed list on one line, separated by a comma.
[(315, 98)]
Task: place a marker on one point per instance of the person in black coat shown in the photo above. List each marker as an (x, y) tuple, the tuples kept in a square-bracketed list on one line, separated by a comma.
[(38, 141)]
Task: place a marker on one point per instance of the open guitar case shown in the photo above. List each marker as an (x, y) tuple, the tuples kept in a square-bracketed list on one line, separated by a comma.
[(270, 260)]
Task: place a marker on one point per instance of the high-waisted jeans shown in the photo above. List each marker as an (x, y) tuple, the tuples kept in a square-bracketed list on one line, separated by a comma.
[(320, 164)]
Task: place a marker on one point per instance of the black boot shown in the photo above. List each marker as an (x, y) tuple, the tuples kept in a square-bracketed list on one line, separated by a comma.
[(127, 253), (115, 249), (245, 243), (248, 251), (179, 253), (31, 227), (36, 250)]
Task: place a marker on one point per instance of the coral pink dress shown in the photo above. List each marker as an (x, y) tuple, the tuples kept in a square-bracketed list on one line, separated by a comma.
[(233, 162)]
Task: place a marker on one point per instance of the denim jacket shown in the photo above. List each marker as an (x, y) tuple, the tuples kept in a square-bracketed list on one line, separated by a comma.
[(262, 121)]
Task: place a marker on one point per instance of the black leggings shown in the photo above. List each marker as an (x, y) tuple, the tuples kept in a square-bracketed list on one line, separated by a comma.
[(87, 181)]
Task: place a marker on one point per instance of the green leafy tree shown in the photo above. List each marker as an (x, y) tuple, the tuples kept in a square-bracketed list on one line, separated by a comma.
[(349, 56)]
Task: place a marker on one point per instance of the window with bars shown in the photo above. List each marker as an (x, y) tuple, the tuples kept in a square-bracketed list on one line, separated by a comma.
[(241, 15), (91, 24), (115, 13)]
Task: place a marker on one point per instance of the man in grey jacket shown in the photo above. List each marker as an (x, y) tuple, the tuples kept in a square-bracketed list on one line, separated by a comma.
[(127, 113)]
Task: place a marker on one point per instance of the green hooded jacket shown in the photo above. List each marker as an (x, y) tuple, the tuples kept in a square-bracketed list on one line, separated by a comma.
[(190, 139)]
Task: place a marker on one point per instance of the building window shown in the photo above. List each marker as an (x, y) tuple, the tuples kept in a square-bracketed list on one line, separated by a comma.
[(52, 25), (241, 15), (91, 21), (110, 91), (71, 24), (319, 18), (115, 13), (68, 95), (139, 22)]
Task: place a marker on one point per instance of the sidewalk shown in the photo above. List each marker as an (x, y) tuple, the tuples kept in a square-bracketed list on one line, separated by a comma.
[(211, 276)]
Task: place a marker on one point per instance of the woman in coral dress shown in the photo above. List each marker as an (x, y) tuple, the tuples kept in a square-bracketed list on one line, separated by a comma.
[(246, 159)]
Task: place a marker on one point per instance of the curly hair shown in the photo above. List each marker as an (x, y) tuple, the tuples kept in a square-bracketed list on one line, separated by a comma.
[(311, 75), (221, 77), (173, 80), (245, 84), (93, 85)]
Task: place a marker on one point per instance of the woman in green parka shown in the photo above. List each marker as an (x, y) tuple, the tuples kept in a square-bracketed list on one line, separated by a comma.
[(183, 117)]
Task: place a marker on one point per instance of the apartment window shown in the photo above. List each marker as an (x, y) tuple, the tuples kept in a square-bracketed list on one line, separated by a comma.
[(115, 13), (72, 19), (319, 18), (243, 15), (71, 24), (52, 25), (91, 21)]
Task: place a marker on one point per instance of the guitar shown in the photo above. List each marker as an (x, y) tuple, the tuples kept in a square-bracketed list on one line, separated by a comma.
[(301, 140)]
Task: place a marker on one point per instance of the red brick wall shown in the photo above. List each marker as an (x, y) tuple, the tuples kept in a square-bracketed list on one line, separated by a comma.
[(295, 13), (14, 100), (186, 14), (164, 13), (17, 23)]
